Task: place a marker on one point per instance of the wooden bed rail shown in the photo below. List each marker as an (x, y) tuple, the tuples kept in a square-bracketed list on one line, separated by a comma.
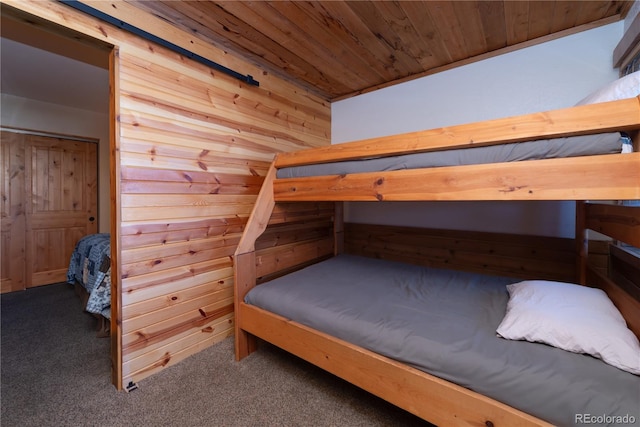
[(424, 395), (618, 115), (605, 177)]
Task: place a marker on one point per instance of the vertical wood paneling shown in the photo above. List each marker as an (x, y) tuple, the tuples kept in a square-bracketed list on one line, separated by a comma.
[(516, 16), (564, 15), (471, 23), (446, 20), (433, 49), (492, 15), (539, 23)]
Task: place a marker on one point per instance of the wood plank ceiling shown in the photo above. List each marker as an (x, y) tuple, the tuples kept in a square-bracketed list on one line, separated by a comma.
[(339, 49)]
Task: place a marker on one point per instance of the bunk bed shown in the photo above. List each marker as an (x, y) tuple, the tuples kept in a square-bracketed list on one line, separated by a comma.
[(438, 381), (90, 273)]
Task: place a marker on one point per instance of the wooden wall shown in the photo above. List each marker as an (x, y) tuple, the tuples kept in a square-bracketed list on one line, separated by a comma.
[(298, 234), (190, 149), (511, 255)]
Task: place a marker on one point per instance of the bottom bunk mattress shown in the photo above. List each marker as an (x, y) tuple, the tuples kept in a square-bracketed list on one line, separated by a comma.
[(444, 322), (90, 266)]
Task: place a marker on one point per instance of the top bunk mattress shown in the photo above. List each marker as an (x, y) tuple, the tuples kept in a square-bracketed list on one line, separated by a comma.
[(585, 145), (444, 322)]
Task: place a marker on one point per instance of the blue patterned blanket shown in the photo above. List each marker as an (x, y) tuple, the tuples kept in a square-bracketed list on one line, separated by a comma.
[(90, 266)]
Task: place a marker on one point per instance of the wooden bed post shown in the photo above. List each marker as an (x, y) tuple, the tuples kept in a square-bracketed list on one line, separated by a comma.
[(582, 243), (244, 270), (244, 265)]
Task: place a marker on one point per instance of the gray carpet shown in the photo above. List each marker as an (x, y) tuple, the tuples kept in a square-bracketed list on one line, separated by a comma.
[(56, 372)]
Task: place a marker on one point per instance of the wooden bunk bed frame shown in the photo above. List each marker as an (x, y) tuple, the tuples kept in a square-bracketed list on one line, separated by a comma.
[(602, 177)]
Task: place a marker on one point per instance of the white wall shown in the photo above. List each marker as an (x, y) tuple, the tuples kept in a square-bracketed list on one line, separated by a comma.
[(35, 115), (551, 75)]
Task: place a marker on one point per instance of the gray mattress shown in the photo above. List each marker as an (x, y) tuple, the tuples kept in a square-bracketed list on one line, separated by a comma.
[(586, 145), (444, 322)]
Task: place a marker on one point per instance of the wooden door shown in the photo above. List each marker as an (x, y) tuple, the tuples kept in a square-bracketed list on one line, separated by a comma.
[(60, 205), (12, 213)]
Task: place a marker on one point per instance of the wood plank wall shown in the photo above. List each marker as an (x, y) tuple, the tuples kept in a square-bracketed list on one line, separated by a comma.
[(194, 146), (529, 257), (298, 234), (194, 149)]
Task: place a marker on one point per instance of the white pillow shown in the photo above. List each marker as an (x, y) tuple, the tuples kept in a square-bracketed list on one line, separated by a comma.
[(571, 317), (625, 87)]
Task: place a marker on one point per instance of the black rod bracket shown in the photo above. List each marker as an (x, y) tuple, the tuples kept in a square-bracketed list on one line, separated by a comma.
[(153, 38)]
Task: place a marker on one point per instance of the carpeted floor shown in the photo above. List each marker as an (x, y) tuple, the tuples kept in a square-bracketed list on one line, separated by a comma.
[(56, 372)]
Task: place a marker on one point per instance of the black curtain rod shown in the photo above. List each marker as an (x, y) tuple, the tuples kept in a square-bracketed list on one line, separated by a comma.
[(148, 36)]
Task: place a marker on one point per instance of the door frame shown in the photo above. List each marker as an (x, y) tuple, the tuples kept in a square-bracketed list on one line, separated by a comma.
[(116, 218), (54, 34)]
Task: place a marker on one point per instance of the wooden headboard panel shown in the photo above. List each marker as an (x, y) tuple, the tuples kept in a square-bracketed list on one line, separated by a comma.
[(522, 256)]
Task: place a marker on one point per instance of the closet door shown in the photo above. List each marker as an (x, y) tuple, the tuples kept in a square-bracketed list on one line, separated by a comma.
[(62, 181), (12, 213), (49, 201)]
